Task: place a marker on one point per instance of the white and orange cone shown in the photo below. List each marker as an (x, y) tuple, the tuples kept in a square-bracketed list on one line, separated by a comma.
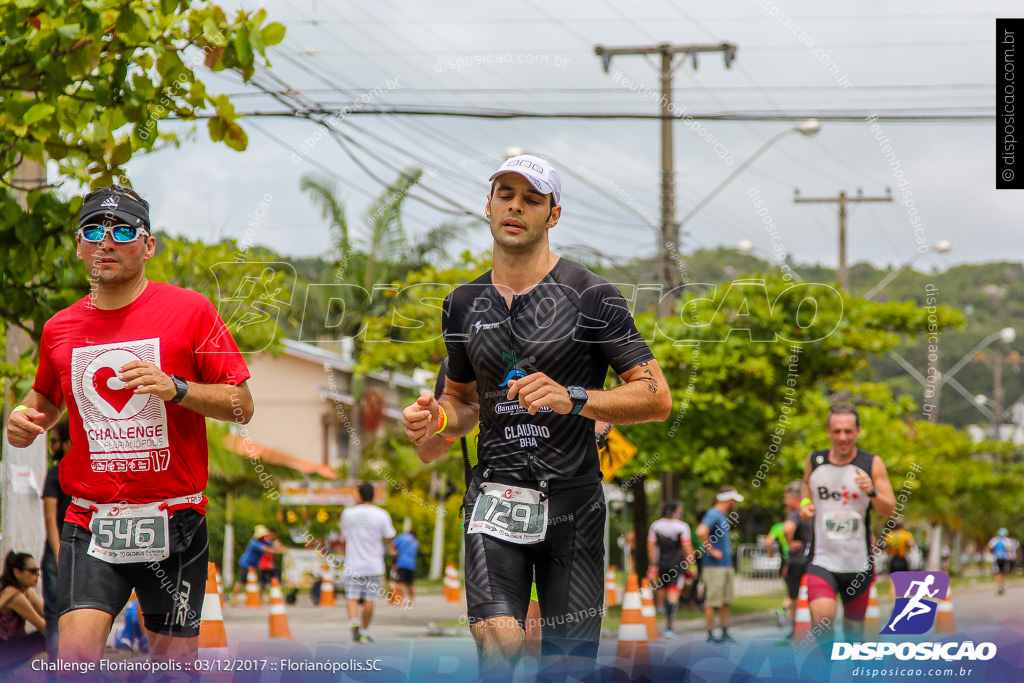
[(873, 616), (650, 613), (211, 622), (397, 597), (632, 629), (278, 619), (611, 590), (802, 622), (452, 588), (326, 588), (252, 589), (944, 621)]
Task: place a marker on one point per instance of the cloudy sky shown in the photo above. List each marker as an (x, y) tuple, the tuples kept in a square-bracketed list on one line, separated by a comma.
[(926, 62)]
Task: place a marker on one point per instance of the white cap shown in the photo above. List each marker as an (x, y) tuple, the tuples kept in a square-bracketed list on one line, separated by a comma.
[(540, 173), (729, 495)]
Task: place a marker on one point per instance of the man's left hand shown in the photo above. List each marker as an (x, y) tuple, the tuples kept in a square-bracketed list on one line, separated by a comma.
[(537, 391), (865, 483), (146, 378)]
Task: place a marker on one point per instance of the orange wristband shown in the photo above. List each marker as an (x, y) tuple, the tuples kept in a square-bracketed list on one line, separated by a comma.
[(442, 421)]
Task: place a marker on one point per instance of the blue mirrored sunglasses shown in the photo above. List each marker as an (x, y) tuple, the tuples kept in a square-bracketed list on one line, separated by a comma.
[(119, 233)]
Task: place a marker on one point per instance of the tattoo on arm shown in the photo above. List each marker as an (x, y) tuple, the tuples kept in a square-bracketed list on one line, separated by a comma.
[(652, 384)]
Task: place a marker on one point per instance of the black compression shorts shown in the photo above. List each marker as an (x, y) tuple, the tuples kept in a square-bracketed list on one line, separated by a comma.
[(569, 566), (170, 592)]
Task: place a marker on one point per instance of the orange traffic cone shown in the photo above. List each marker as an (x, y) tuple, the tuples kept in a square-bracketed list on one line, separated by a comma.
[(396, 594), (649, 612), (944, 622), (452, 588), (611, 591), (802, 622), (326, 588), (278, 619), (211, 623), (632, 629), (252, 589), (873, 616)]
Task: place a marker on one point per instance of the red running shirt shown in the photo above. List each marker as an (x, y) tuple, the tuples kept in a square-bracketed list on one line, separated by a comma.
[(130, 447)]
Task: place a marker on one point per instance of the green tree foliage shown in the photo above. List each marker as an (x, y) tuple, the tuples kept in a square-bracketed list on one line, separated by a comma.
[(89, 85), (741, 359), (407, 335), (256, 292)]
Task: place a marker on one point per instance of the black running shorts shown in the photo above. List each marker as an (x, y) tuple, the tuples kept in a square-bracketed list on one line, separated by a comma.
[(569, 566), (170, 592)]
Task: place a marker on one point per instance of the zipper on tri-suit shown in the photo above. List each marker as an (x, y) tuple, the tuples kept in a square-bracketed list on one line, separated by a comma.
[(515, 362), (530, 457)]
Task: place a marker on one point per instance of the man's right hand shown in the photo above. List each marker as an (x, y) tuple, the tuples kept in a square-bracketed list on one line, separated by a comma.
[(715, 553), (23, 426), (421, 418), (807, 512)]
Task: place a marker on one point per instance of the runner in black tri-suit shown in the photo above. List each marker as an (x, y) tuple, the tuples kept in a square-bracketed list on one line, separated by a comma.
[(529, 345)]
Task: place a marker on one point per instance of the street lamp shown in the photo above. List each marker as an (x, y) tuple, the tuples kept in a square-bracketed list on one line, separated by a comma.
[(1007, 335), (942, 246), (807, 128)]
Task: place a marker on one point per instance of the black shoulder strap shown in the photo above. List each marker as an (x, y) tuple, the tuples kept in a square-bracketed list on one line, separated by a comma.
[(467, 468), (818, 458)]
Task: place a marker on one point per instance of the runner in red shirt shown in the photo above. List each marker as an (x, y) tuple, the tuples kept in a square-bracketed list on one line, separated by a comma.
[(139, 366)]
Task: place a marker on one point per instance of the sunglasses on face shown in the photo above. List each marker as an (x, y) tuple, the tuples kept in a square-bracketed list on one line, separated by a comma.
[(121, 233), (33, 570)]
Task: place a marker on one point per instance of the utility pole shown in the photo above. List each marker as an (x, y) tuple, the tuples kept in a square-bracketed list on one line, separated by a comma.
[(669, 243), (842, 200)]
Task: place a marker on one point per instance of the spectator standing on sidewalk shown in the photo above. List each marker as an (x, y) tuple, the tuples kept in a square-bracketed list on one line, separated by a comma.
[(718, 568), (405, 547), (366, 531)]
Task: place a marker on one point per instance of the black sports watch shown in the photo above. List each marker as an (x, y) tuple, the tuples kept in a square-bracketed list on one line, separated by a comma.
[(579, 398), (182, 386), (873, 492)]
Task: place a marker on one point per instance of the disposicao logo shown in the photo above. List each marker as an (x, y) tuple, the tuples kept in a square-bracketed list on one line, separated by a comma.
[(917, 597)]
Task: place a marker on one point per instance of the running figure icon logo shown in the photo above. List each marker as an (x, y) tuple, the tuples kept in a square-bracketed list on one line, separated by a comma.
[(918, 595)]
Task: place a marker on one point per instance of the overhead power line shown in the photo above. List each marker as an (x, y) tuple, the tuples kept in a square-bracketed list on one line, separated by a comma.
[(850, 117)]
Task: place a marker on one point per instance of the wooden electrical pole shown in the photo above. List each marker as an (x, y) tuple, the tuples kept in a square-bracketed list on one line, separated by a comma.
[(669, 241), (842, 200)]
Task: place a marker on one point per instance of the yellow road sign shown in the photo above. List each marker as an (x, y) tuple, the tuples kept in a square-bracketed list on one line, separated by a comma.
[(617, 453)]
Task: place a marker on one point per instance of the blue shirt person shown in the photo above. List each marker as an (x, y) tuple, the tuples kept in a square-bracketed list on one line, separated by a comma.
[(405, 547), (713, 532)]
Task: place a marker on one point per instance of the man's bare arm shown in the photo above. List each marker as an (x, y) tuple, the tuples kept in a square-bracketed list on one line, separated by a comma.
[(461, 409), (434, 448), (884, 501), (225, 402), (806, 511), (23, 426), (644, 397)]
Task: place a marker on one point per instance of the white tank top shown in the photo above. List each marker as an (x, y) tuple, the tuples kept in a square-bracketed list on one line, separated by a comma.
[(842, 513)]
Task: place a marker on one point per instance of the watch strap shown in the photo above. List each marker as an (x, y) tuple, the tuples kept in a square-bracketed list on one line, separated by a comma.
[(181, 384), (577, 403)]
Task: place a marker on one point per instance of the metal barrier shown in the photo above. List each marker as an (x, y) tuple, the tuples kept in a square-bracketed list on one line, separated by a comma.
[(757, 572)]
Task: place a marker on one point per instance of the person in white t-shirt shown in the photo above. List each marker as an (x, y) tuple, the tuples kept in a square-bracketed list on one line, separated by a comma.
[(366, 530)]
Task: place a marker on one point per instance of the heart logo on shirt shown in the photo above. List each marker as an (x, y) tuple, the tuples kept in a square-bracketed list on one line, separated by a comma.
[(117, 398)]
